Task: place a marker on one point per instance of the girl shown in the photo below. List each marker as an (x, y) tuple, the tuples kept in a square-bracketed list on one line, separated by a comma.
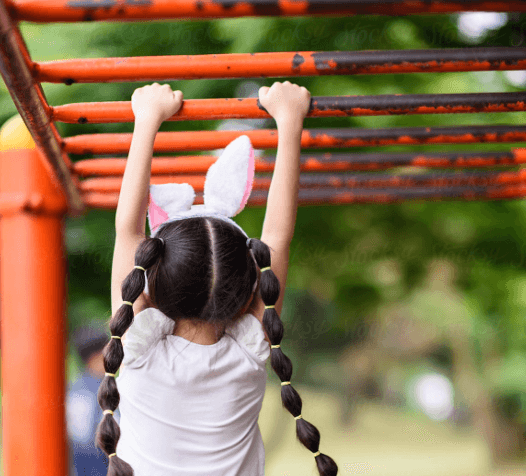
[(200, 306)]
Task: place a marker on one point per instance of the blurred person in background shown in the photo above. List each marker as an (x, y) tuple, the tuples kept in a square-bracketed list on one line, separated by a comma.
[(83, 410)]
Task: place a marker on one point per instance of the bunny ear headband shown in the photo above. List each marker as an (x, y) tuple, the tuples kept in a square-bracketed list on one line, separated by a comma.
[(228, 185)]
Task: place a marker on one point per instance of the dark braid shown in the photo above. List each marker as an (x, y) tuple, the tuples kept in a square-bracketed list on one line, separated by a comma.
[(108, 432), (269, 287)]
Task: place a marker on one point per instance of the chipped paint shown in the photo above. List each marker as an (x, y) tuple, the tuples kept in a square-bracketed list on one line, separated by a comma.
[(68, 10), (297, 61), (276, 64), (311, 138)]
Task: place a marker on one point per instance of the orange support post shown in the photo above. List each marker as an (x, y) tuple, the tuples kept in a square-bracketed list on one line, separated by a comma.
[(33, 290)]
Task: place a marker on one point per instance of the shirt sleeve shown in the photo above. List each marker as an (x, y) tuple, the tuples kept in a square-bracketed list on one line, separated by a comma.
[(248, 332), (148, 328)]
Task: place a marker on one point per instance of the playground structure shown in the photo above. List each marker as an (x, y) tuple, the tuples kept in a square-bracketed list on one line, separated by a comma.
[(40, 184)]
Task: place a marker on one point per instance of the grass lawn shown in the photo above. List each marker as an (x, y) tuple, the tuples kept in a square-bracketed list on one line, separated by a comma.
[(381, 442)]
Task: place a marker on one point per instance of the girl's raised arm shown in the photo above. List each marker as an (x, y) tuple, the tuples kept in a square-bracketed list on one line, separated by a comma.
[(288, 104), (151, 104)]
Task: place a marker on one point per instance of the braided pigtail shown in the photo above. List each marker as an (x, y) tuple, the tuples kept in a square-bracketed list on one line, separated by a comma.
[(108, 431), (269, 287)]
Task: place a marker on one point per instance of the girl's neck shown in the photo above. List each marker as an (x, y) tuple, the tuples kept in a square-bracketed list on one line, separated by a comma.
[(203, 333)]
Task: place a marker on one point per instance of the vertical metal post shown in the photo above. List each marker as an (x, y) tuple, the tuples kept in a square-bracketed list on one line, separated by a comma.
[(33, 305)]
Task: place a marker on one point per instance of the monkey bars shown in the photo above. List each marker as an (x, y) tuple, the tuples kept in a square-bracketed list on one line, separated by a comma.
[(39, 183)]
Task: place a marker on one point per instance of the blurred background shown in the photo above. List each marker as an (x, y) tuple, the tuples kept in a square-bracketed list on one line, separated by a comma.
[(405, 323)]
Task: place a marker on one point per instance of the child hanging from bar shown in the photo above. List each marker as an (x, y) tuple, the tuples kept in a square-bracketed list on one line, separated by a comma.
[(197, 306)]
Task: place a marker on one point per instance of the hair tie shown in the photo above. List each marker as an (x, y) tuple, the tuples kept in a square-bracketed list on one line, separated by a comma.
[(270, 307), (277, 346), (139, 267), (265, 269), (285, 383), (248, 242), (128, 302), (316, 454), (115, 337), (162, 240), (297, 417), (107, 411), (110, 375), (113, 454)]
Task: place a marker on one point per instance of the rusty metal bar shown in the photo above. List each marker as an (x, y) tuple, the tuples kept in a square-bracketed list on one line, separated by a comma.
[(346, 196), (119, 143), (123, 10), (338, 197), (337, 106), (327, 162), (32, 106), (383, 180), (320, 181), (278, 64)]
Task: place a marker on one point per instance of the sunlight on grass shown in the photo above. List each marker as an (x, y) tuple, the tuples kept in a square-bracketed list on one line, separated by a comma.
[(381, 442)]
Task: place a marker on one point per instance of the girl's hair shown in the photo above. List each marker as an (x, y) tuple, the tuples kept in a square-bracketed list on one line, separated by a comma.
[(204, 271)]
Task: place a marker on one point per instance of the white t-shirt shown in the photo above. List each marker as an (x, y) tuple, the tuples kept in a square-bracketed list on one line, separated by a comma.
[(189, 409)]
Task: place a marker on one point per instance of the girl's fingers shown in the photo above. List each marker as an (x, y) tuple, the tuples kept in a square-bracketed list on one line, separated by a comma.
[(263, 90)]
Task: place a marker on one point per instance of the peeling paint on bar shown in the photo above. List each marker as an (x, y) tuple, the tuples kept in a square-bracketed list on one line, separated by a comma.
[(339, 197), (278, 64), (311, 138), (103, 10), (324, 181), (240, 108)]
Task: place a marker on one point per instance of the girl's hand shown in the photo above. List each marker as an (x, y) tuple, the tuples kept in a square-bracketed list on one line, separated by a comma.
[(155, 103), (285, 101)]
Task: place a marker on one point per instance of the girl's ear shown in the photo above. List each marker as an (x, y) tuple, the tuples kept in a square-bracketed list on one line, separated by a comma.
[(229, 180), (168, 200)]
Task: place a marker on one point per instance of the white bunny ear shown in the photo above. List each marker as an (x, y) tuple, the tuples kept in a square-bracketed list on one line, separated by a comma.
[(167, 201), (229, 180)]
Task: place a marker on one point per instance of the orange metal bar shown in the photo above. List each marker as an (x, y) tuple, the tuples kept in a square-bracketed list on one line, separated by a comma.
[(160, 165), (327, 162), (337, 106), (320, 181), (348, 196), (33, 290), (276, 64), (122, 10), (268, 138)]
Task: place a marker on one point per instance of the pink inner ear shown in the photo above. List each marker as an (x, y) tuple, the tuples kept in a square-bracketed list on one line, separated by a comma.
[(250, 179), (157, 215)]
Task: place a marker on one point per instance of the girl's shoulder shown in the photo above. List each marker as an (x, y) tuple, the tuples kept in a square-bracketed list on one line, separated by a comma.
[(248, 332), (148, 327)]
